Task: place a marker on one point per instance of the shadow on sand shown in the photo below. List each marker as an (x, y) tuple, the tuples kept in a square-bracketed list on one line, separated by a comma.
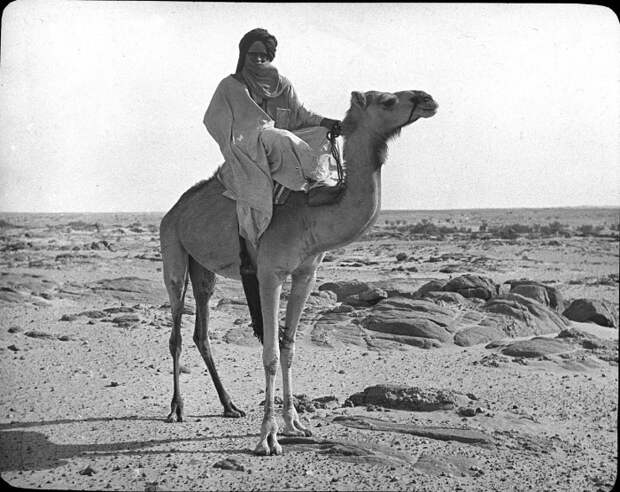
[(31, 450)]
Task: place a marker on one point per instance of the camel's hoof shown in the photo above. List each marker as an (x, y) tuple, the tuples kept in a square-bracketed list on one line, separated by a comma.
[(262, 449), (231, 411), (274, 445), (173, 417), (276, 449), (294, 432)]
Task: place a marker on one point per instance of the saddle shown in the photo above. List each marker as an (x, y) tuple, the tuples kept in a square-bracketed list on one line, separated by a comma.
[(319, 195)]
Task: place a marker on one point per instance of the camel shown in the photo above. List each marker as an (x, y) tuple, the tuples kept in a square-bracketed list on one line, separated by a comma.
[(199, 239)]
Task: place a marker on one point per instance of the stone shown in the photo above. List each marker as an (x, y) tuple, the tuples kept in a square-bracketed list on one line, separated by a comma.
[(366, 298), (545, 294), (402, 397), (432, 286), (321, 299), (536, 347), (126, 319), (411, 317), (474, 335), (525, 315), (450, 297), (39, 334), (470, 285), (590, 310), (469, 436), (229, 464), (345, 288)]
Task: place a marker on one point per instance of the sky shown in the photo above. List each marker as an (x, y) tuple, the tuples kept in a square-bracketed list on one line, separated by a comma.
[(101, 103)]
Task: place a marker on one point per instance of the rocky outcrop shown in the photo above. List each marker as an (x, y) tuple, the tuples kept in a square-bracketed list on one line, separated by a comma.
[(525, 315), (411, 317), (402, 397), (589, 310), (472, 286), (544, 294)]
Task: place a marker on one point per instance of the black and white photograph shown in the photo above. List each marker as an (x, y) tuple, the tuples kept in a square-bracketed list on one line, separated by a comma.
[(309, 246)]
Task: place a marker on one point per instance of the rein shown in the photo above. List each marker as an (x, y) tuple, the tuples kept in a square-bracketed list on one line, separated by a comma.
[(335, 149), (415, 106)]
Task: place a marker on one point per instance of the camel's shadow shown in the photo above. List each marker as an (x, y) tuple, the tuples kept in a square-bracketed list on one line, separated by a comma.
[(29, 450)]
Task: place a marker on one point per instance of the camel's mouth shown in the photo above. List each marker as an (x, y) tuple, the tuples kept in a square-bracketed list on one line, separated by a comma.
[(424, 106), (428, 108)]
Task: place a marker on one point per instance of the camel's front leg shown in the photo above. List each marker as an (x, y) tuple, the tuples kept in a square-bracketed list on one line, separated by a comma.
[(270, 286), (302, 283)]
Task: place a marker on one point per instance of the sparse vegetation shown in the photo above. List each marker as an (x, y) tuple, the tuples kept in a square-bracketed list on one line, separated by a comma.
[(426, 229)]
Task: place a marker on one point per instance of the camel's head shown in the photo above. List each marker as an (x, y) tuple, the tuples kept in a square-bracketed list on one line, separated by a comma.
[(385, 113)]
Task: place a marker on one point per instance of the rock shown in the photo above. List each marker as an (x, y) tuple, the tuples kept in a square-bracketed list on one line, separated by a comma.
[(89, 470), (536, 292), (404, 398), (93, 314), (450, 297), (401, 256), (411, 317), (126, 320), (474, 335), (421, 342), (467, 411), (325, 402), (366, 298), (343, 308), (544, 294), (360, 453), (14, 348), (345, 288), (68, 317), (119, 309), (525, 315), (229, 464), (39, 334), (447, 466), (472, 286), (321, 299), (536, 347), (590, 310), (14, 329), (432, 286)]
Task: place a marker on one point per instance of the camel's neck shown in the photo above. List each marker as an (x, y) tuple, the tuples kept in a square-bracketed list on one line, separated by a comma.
[(361, 201)]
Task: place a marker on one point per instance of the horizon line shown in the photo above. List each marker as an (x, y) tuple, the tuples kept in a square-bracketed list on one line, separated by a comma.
[(381, 210)]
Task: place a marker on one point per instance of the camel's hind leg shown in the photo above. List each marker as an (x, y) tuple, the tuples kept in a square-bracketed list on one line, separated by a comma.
[(175, 278), (203, 283)]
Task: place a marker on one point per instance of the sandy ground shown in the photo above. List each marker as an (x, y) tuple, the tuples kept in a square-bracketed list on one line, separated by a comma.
[(84, 399)]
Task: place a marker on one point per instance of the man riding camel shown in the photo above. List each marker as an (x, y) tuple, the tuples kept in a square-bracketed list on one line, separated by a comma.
[(266, 135)]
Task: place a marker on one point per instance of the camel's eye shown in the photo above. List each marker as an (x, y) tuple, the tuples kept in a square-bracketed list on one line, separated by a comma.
[(388, 102)]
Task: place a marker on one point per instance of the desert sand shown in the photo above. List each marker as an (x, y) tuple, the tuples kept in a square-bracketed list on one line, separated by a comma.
[(87, 375)]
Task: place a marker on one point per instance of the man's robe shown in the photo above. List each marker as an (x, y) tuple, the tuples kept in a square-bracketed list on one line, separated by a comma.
[(235, 121)]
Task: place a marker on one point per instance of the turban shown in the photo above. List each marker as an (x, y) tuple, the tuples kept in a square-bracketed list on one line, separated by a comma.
[(258, 34)]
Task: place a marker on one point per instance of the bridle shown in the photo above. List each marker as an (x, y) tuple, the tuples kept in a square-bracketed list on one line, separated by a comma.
[(415, 106), (335, 150)]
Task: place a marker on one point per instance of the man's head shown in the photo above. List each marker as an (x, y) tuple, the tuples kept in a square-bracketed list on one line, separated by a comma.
[(257, 46)]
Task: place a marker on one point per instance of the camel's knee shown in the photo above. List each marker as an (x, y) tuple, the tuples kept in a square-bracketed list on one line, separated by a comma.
[(202, 342), (287, 355), (271, 360), (175, 343)]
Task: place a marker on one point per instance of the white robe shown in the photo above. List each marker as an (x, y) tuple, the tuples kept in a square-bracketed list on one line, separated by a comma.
[(235, 121)]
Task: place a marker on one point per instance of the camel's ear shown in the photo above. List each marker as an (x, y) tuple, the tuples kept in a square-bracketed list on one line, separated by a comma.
[(358, 99)]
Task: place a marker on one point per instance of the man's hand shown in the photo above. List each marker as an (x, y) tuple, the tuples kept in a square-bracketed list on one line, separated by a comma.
[(334, 126)]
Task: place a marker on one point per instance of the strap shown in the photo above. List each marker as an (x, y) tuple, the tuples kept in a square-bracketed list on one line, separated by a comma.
[(335, 149)]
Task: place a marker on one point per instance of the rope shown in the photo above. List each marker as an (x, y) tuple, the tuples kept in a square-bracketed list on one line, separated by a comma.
[(335, 149)]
